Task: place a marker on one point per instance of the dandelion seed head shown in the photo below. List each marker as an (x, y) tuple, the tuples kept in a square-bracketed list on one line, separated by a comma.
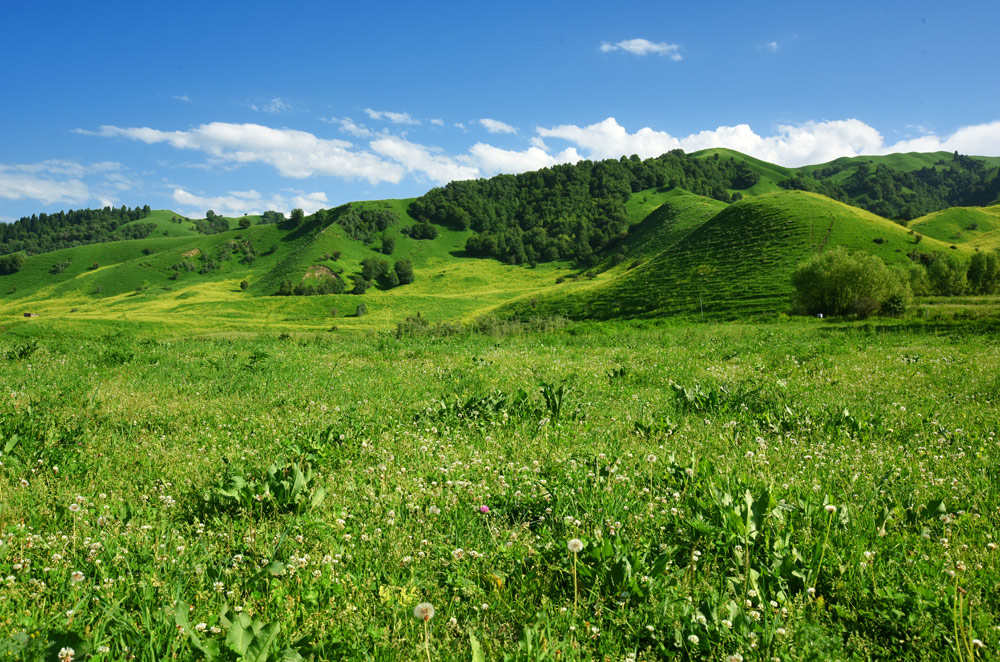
[(423, 611), (575, 545)]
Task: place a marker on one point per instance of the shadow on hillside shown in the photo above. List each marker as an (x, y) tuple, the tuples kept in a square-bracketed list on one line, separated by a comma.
[(460, 253), (306, 228)]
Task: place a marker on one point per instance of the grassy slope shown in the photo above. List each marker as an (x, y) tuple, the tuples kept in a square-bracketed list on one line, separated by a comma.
[(130, 285), (750, 247), (974, 226), (664, 218)]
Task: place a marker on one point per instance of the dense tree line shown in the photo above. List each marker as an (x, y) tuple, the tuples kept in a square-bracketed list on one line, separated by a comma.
[(959, 181), (569, 212), (41, 233)]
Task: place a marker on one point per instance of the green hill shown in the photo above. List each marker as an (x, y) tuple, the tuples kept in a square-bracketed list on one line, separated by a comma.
[(618, 238), (975, 226), (738, 262)]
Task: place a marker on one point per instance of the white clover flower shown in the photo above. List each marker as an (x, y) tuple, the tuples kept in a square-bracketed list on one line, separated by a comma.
[(575, 545), (76, 576), (66, 654), (693, 638)]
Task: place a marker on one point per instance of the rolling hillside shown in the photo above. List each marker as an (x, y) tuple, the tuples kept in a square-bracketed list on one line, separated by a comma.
[(739, 262), (667, 251)]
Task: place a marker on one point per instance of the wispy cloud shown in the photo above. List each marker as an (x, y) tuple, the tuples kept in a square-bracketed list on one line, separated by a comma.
[(273, 106), (181, 97), (769, 47), (389, 116), (347, 125), (437, 121), (496, 126), (644, 47)]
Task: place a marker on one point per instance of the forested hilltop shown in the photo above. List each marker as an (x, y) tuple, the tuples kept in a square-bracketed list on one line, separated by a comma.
[(42, 233), (577, 212), (570, 212), (958, 181)]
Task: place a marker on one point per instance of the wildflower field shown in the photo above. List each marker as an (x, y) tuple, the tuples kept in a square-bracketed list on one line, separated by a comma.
[(790, 491)]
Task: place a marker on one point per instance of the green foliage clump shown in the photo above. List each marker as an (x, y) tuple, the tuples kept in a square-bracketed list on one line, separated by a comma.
[(213, 223), (404, 271), (11, 264), (984, 273), (947, 275), (272, 216), (421, 230), (364, 223), (59, 267), (838, 283)]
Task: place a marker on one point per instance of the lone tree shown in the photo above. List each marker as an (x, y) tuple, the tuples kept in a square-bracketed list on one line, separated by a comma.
[(404, 271), (838, 283), (297, 217)]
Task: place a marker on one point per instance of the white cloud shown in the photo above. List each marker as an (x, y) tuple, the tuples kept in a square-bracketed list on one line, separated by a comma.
[(19, 186), (237, 203), (180, 97), (422, 160), (770, 47), (811, 142), (644, 47), (274, 106), (980, 139), (437, 121), (395, 118), (608, 139), (292, 153), (55, 181), (494, 160), (496, 126)]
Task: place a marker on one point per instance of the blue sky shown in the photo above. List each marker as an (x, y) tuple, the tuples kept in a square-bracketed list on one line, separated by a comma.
[(242, 107)]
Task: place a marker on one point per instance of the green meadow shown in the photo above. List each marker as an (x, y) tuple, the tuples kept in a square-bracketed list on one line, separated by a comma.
[(803, 490)]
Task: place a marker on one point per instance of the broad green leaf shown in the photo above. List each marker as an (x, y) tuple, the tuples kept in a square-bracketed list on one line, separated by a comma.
[(477, 650), (240, 635)]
